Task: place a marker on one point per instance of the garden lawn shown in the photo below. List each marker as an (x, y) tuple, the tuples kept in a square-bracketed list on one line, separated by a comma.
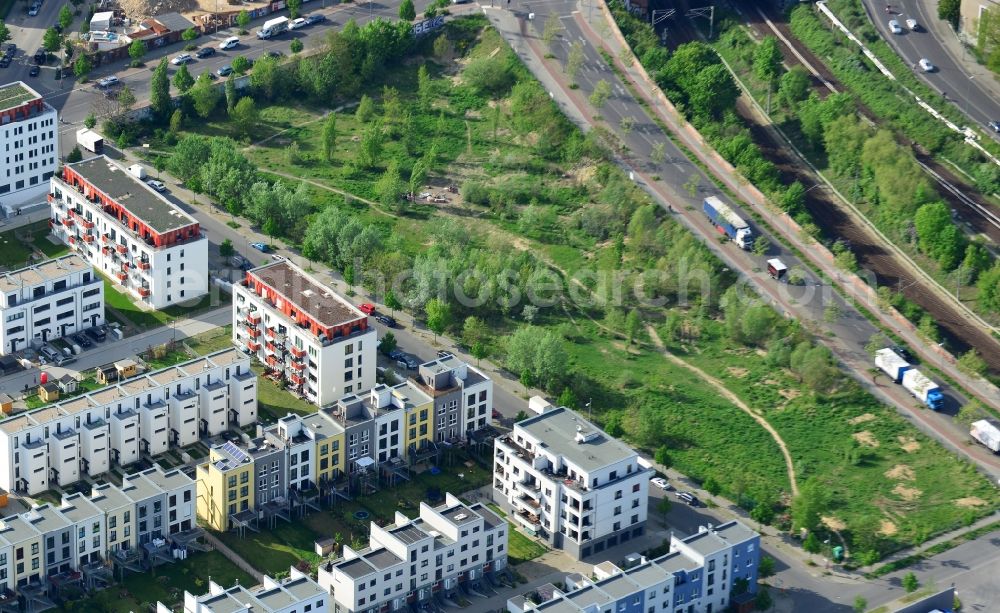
[(274, 403), (46, 246), (275, 550), (146, 320), (13, 253), (520, 548), (211, 341)]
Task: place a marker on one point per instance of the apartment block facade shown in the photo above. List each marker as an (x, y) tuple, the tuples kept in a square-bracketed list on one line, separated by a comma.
[(700, 574), (407, 562), (297, 593), (463, 397), (49, 300), (565, 480), (31, 147), (304, 333), (86, 435), (146, 244)]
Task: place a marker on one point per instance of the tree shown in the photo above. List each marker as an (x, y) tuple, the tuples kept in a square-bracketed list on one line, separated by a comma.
[(663, 505), (296, 46), (937, 234), (761, 245), (950, 11), (767, 61), (232, 97), (425, 88), (763, 600), (860, 604), (90, 121), (489, 75), (126, 99), (442, 46), (473, 330), (293, 8), (51, 41), (176, 121), (809, 504), (970, 412), (633, 324), (370, 149), (240, 64), (245, 115), (438, 315), (390, 186), (67, 51), (713, 91), (910, 583), (189, 35), (159, 92), (762, 513), (989, 288), (552, 28), (82, 67), (75, 155), (812, 544), (65, 17), (392, 302), (330, 136), (793, 87), (712, 486), (183, 81), (662, 456), (226, 248), (406, 11), (366, 109), (599, 97), (418, 176), (136, 51), (243, 20), (766, 567), (205, 95), (574, 60), (4, 32), (388, 343), (971, 364)]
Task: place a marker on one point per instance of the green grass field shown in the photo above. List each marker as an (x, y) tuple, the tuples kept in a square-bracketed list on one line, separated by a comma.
[(520, 548)]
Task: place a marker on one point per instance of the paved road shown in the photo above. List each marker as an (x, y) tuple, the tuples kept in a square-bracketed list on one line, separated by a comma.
[(971, 87)]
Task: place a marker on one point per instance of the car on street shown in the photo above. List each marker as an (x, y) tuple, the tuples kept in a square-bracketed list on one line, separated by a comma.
[(205, 52), (315, 18), (367, 308), (298, 23), (33, 10), (926, 65), (157, 185), (497, 414), (894, 27), (40, 56), (263, 248), (225, 71), (913, 25), (689, 498), (272, 53), (35, 70), (442, 353), (82, 341), (386, 321), (108, 81), (411, 362), (396, 354), (50, 354), (229, 43), (661, 483), (96, 334), (181, 59), (5, 61), (994, 125)]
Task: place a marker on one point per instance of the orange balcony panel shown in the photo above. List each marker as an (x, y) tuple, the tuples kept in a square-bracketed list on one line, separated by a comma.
[(298, 352), (72, 240), (86, 224), (271, 347), (253, 318), (271, 333), (253, 332), (121, 276), (143, 291), (105, 250), (89, 238), (273, 361), (125, 265), (252, 346), (50, 197), (105, 238), (297, 380), (67, 221), (144, 265), (298, 365), (122, 249)]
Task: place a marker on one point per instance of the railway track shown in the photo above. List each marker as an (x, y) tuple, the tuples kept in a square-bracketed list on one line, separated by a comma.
[(827, 212)]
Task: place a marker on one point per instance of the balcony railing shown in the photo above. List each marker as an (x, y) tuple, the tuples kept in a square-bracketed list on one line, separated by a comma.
[(122, 249), (143, 265), (144, 291), (298, 352), (252, 346)]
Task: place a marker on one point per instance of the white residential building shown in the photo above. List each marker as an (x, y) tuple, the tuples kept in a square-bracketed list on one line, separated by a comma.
[(565, 480), (463, 397), (146, 244), (703, 573), (83, 436), (49, 300), (407, 562), (297, 593), (89, 528), (302, 330), (31, 147)]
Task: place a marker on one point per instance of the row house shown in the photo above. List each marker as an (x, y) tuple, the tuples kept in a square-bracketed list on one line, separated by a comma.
[(316, 341), (296, 593), (85, 436), (407, 562), (706, 572), (565, 480), (463, 397), (143, 242), (49, 300)]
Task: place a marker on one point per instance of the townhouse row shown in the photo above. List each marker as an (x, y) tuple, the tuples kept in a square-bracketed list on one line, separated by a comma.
[(146, 244), (375, 432), (48, 300), (296, 593), (706, 572), (148, 508), (143, 416), (412, 560)]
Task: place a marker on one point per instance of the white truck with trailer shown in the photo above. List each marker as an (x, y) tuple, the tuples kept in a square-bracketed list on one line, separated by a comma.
[(891, 364), (273, 27), (987, 432), (923, 388), (90, 140)]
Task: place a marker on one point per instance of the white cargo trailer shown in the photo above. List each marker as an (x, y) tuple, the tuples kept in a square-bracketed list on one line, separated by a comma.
[(891, 364)]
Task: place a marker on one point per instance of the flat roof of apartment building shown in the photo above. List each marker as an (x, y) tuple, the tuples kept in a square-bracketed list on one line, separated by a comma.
[(308, 295), (15, 94), (133, 194), (37, 274), (556, 431)]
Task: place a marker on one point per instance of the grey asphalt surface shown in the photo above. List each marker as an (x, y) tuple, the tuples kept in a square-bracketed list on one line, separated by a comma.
[(970, 93)]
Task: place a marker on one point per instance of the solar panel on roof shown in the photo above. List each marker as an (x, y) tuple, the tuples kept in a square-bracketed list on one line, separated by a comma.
[(235, 452)]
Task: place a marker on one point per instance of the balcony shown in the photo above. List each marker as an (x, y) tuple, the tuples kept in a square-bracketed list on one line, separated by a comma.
[(105, 238), (253, 319), (122, 249), (105, 250), (253, 332), (252, 346), (121, 276), (88, 238), (143, 265), (531, 490), (296, 379), (298, 352), (144, 291), (67, 221), (298, 366), (86, 223), (273, 362), (125, 265)]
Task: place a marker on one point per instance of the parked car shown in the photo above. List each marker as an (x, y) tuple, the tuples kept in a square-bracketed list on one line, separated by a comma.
[(298, 23), (386, 321), (97, 334), (34, 72), (225, 71), (660, 482), (50, 354), (913, 25), (5, 61), (925, 65), (82, 341), (157, 185), (315, 18), (442, 353), (367, 308), (497, 414), (108, 81), (994, 125), (33, 10), (411, 362), (40, 56), (229, 43), (689, 498), (263, 248), (181, 59), (272, 53), (396, 354), (205, 52), (894, 27)]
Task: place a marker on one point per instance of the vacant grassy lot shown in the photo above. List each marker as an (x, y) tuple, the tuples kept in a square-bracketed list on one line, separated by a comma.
[(211, 341)]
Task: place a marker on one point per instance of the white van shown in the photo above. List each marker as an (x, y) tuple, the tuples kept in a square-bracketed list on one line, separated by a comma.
[(230, 42)]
